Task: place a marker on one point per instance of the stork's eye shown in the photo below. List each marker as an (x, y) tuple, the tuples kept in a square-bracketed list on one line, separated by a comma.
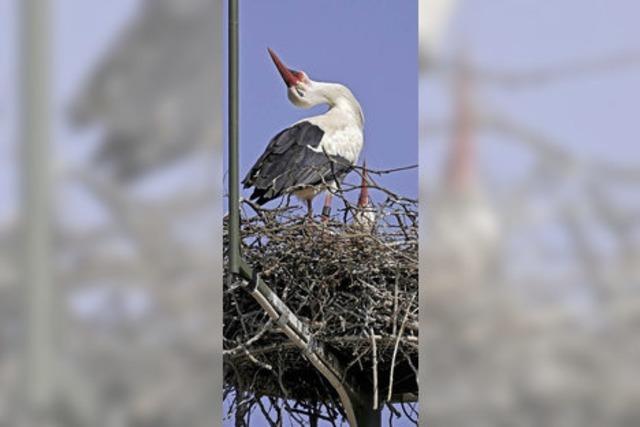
[(300, 92)]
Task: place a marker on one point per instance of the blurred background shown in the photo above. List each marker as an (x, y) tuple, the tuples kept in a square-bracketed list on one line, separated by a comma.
[(110, 213), (530, 207)]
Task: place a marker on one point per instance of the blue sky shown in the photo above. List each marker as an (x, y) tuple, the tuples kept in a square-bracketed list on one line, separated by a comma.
[(593, 114), (374, 53), (369, 46)]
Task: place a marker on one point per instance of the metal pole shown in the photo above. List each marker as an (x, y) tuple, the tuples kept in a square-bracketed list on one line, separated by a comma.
[(36, 209), (234, 191), (366, 416)]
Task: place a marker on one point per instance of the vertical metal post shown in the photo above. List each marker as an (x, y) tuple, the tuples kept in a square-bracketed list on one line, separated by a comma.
[(366, 416), (234, 191), (35, 133)]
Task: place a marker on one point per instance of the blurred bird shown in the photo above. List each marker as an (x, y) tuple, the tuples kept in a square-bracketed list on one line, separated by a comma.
[(315, 153), (154, 93), (464, 229)]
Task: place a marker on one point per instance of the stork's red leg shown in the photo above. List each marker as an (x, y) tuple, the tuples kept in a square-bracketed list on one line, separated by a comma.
[(326, 210), (309, 209)]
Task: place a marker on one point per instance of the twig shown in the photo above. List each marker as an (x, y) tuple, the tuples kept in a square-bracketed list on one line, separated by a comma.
[(395, 350), (375, 369)]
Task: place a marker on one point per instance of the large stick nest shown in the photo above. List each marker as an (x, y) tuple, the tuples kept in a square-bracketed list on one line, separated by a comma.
[(354, 285)]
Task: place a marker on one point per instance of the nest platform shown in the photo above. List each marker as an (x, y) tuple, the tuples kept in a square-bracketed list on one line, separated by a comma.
[(356, 288)]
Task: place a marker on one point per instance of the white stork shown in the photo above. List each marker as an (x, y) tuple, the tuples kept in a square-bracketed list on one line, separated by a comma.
[(314, 153)]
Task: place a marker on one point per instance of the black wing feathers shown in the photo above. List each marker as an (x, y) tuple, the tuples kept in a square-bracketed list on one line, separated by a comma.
[(288, 163)]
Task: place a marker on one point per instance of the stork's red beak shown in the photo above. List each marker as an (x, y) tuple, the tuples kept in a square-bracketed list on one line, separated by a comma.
[(290, 77)]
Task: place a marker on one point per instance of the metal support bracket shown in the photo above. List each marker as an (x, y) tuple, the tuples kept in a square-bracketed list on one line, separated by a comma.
[(356, 404)]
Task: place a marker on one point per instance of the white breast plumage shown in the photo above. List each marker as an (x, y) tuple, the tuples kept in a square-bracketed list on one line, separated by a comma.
[(342, 137)]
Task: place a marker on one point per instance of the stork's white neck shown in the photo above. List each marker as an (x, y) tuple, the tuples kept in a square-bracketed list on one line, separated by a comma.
[(342, 103), (339, 97)]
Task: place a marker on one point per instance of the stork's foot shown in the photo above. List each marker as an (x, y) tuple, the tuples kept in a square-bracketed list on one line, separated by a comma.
[(305, 220), (308, 221), (309, 210)]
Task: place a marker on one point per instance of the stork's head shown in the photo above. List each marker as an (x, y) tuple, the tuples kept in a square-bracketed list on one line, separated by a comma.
[(301, 90)]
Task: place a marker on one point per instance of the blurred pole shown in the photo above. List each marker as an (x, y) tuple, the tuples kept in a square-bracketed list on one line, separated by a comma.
[(36, 209), (234, 190)]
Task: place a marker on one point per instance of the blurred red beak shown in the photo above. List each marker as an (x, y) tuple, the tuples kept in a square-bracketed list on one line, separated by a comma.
[(289, 76)]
